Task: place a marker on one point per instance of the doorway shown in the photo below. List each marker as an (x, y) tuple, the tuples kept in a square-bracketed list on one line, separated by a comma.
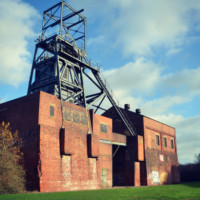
[(119, 164)]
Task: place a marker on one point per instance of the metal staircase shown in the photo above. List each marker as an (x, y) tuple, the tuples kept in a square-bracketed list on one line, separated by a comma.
[(104, 90), (112, 101)]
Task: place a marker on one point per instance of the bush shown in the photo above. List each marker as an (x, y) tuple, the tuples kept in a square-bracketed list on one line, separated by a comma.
[(11, 172), (191, 172)]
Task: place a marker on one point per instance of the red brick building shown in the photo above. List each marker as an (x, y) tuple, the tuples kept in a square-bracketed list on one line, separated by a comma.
[(67, 147), (153, 151)]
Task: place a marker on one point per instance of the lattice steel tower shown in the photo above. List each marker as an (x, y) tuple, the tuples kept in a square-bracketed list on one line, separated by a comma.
[(60, 61)]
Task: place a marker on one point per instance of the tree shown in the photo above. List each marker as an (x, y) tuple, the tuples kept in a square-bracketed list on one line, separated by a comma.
[(11, 172), (190, 171), (197, 158)]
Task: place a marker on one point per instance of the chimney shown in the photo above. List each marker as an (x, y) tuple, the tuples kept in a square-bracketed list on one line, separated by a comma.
[(127, 106), (138, 111)]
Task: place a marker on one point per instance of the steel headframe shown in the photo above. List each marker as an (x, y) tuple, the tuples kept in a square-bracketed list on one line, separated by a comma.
[(60, 62), (67, 22)]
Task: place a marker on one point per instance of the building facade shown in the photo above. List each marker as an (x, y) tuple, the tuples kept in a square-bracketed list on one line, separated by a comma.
[(67, 147)]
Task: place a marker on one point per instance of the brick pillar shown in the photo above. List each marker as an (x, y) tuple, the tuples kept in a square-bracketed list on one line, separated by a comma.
[(137, 174)]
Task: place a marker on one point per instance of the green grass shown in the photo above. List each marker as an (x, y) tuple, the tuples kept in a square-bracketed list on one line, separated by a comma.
[(187, 191)]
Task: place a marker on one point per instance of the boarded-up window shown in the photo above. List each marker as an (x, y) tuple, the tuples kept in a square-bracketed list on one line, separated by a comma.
[(157, 140), (103, 128), (84, 119), (52, 111), (172, 143), (67, 115), (76, 118), (165, 142)]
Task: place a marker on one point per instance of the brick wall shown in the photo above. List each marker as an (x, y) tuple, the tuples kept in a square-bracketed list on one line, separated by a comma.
[(161, 161), (108, 139), (105, 151), (67, 148), (64, 160), (22, 114), (158, 164), (55, 150)]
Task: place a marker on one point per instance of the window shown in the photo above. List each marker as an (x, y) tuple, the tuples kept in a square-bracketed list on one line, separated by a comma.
[(157, 140), (67, 115), (172, 143), (52, 111), (103, 128), (84, 120), (165, 142)]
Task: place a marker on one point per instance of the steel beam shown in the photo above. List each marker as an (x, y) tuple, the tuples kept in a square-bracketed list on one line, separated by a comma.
[(64, 19), (76, 23)]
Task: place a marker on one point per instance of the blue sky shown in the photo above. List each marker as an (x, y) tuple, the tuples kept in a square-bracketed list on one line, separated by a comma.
[(148, 51)]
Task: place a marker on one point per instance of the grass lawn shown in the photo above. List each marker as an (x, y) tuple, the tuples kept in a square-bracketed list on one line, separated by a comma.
[(186, 191)]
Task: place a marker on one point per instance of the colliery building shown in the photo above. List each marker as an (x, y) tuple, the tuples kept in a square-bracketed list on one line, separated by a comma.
[(76, 149), (66, 144)]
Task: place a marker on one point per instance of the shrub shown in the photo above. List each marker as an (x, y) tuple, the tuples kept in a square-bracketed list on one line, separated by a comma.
[(11, 172)]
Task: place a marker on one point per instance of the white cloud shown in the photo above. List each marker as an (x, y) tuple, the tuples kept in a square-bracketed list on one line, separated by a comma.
[(186, 81), (161, 105), (140, 27), (99, 40), (92, 9), (143, 84), (144, 25), (137, 77), (172, 52), (170, 119), (16, 27)]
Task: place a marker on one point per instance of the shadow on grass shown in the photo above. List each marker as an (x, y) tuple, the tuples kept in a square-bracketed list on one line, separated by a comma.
[(195, 184)]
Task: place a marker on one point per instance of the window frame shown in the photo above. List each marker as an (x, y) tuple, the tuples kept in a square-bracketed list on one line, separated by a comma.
[(105, 125), (157, 140), (172, 143), (50, 107), (76, 117), (165, 141)]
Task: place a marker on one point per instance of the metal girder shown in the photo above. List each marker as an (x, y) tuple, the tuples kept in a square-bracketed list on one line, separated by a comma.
[(67, 5), (99, 107), (76, 23), (55, 19), (58, 4), (127, 122), (99, 104), (92, 80), (81, 62), (113, 143), (50, 16), (79, 38), (95, 100), (93, 95), (64, 19), (73, 96)]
